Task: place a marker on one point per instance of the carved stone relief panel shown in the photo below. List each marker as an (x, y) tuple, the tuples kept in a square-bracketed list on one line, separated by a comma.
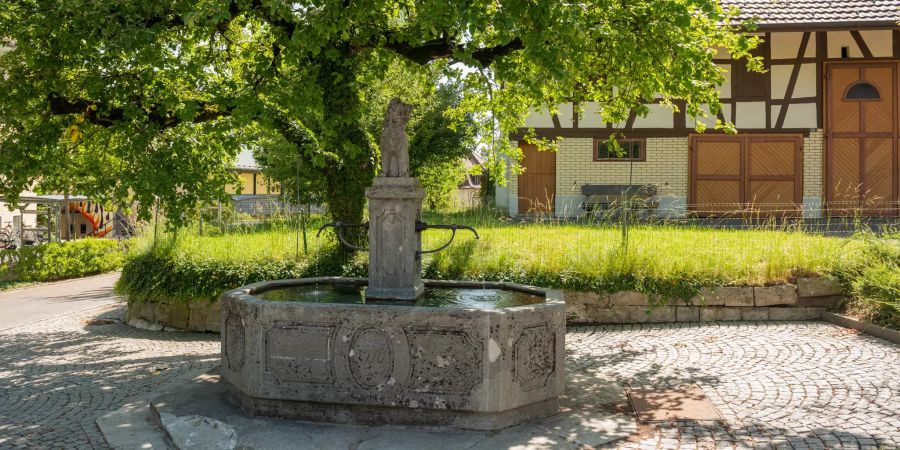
[(535, 353), (444, 361), (303, 353)]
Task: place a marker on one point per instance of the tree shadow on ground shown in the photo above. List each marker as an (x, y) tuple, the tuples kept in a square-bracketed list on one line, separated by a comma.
[(54, 383)]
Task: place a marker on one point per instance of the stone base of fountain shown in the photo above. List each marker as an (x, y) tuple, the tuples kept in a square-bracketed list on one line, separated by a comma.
[(386, 364)]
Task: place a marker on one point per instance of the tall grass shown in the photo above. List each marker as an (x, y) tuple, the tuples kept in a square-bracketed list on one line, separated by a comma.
[(668, 260)]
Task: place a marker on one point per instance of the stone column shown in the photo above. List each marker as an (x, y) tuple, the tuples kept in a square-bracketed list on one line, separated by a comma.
[(394, 270), (395, 201)]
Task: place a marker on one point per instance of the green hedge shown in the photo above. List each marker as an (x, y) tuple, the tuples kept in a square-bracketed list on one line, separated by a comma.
[(56, 261), (178, 278), (874, 281)]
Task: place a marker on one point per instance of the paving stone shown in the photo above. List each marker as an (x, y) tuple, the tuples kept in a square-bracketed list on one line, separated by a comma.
[(777, 384), (57, 377), (784, 294)]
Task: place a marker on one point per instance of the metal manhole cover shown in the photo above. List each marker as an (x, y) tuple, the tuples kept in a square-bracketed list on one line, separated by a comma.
[(663, 405)]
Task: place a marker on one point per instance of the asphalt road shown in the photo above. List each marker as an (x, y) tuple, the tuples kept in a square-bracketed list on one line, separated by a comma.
[(28, 305)]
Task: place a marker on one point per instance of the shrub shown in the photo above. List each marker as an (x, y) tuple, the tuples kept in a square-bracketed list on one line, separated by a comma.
[(178, 278), (56, 261), (873, 278)]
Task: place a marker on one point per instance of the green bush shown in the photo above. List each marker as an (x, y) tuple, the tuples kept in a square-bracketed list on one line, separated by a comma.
[(56, 261), (176, 278), (873, 278)]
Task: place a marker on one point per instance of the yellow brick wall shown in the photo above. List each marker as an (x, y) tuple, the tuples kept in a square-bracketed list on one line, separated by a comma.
[(813, 169), (666, 166)]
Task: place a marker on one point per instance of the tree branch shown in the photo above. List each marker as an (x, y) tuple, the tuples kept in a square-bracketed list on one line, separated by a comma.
[(443, 48), (103, 115)]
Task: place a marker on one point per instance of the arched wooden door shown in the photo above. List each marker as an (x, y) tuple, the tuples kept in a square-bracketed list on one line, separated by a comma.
[(861, 167), (537, 184)]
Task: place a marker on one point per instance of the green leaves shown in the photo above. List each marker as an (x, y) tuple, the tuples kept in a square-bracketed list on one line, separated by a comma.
[(178, 83)]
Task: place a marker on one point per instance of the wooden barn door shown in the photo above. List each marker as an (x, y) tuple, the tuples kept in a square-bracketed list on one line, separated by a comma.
[(717, 172), (746, 174), (861, 153), (774, 175), (537, 184)]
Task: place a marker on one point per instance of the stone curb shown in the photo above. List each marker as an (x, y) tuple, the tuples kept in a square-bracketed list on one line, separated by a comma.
[(868, 328)]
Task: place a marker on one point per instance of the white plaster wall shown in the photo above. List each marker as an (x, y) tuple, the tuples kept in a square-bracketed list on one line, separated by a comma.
[(543, 119), (711, 120), (786, 45), (539, 119), (725, 89), (806, 80), (659, 117), (750, 115), (838, 39), (801, 115), (879, 42)]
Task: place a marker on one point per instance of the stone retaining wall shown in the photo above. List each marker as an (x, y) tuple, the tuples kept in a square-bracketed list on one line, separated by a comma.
[(195, 316), (804, 300)]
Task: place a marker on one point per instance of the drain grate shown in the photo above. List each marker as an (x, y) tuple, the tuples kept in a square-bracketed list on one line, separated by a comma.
[(663, 405)]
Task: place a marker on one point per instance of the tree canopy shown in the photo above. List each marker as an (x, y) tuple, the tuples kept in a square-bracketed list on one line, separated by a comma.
[(150, 100)]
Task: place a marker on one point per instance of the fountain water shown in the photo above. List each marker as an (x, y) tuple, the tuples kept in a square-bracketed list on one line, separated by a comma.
[(394, 348)]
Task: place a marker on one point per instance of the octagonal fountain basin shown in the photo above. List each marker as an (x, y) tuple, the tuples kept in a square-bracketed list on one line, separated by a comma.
[(467, 355)]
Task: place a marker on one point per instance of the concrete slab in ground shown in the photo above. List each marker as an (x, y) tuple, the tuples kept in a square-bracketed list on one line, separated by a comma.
[(131, 426), (206, 396), (654, 405)]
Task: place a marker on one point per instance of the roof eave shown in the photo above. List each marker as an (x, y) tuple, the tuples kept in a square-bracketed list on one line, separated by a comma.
[(829, 26)]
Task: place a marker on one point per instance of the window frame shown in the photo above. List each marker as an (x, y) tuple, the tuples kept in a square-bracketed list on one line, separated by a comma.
[(846, 97), (642, 150)]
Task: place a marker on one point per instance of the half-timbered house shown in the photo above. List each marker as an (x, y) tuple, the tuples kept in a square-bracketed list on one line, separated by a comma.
[(818, 131)]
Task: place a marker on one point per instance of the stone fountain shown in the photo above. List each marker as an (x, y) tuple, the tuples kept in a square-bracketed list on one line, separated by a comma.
[(394, 349)]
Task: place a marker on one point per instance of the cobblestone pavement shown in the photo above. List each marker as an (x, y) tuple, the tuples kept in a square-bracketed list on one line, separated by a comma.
[(777, 385), (57, 376), (792, 385)]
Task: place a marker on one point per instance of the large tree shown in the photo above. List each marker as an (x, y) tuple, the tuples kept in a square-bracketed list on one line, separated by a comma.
[(160, 93)]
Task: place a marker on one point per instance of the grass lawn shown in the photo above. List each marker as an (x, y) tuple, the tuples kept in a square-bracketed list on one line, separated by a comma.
[(668, 260)]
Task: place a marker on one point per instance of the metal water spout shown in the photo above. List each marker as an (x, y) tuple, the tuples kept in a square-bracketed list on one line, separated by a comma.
[(395, 206)]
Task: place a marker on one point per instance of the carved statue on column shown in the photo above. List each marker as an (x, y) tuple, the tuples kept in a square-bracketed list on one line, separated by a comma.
[(394, 143)]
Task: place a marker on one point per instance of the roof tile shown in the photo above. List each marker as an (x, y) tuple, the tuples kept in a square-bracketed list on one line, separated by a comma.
[(819, 12)]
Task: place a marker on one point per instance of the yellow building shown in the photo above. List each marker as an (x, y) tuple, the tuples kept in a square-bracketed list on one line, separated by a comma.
[(252, 181)]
